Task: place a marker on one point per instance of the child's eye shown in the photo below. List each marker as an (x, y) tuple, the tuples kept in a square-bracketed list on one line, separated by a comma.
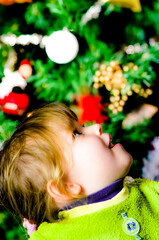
[(76, 133)]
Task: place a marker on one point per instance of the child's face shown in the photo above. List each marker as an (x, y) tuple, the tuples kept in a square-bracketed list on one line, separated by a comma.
[(95, 162)]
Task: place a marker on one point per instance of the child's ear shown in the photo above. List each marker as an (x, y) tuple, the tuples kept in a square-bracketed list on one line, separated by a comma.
[(55, 192), (73, 188)]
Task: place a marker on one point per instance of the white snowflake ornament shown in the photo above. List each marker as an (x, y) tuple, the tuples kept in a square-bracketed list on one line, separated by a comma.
[(10, 80), (151, 164)]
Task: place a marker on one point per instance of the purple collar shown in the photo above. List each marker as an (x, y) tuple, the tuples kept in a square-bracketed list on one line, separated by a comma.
[(102, 195)]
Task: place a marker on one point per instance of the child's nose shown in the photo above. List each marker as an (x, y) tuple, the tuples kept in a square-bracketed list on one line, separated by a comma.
[(95, 129), (98, 129)]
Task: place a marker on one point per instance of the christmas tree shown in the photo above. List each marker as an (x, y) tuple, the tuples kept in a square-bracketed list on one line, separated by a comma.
[(100, 58)]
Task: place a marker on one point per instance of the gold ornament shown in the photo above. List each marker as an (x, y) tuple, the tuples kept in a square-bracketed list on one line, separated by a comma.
[(134, 5), (125, 68), (111, 106), (122, 103), (116, 104), (120, 109), (112, 99), (96, 85), (124, 97), (149, 91), (130, 93), (111, 76), (141, 91), (115, 111)]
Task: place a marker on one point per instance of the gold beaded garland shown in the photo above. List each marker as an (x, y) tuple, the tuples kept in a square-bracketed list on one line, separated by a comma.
[(111, 76)]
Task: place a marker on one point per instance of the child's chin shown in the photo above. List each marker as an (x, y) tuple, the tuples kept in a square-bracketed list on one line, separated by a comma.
[(130, 163)]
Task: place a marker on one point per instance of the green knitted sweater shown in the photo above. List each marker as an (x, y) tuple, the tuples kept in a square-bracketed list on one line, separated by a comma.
[(132, 214)]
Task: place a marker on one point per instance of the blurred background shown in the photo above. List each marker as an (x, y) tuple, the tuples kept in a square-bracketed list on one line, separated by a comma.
[(100, 58)]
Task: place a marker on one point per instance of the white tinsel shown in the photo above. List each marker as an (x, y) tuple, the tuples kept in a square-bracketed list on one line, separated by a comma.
[(93, 12), (151, 164)]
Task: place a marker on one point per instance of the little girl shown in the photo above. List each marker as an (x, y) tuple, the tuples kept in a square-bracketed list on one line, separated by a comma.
[(69, 181)]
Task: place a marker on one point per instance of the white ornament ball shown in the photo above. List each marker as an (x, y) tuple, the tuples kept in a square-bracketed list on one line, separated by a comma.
[(62, 46)]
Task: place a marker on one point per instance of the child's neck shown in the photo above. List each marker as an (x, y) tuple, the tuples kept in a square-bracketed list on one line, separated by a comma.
[(102, 195)]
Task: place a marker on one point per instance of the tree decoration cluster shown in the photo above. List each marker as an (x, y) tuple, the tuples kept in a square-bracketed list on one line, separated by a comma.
[(121, 94), (111, 76)]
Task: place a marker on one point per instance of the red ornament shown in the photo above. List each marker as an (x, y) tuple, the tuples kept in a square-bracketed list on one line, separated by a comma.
[(91, 109), (25, 61), (10, 2), (15, 103)]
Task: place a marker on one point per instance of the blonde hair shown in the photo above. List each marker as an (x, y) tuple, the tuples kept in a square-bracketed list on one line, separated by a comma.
[(32, 157)]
